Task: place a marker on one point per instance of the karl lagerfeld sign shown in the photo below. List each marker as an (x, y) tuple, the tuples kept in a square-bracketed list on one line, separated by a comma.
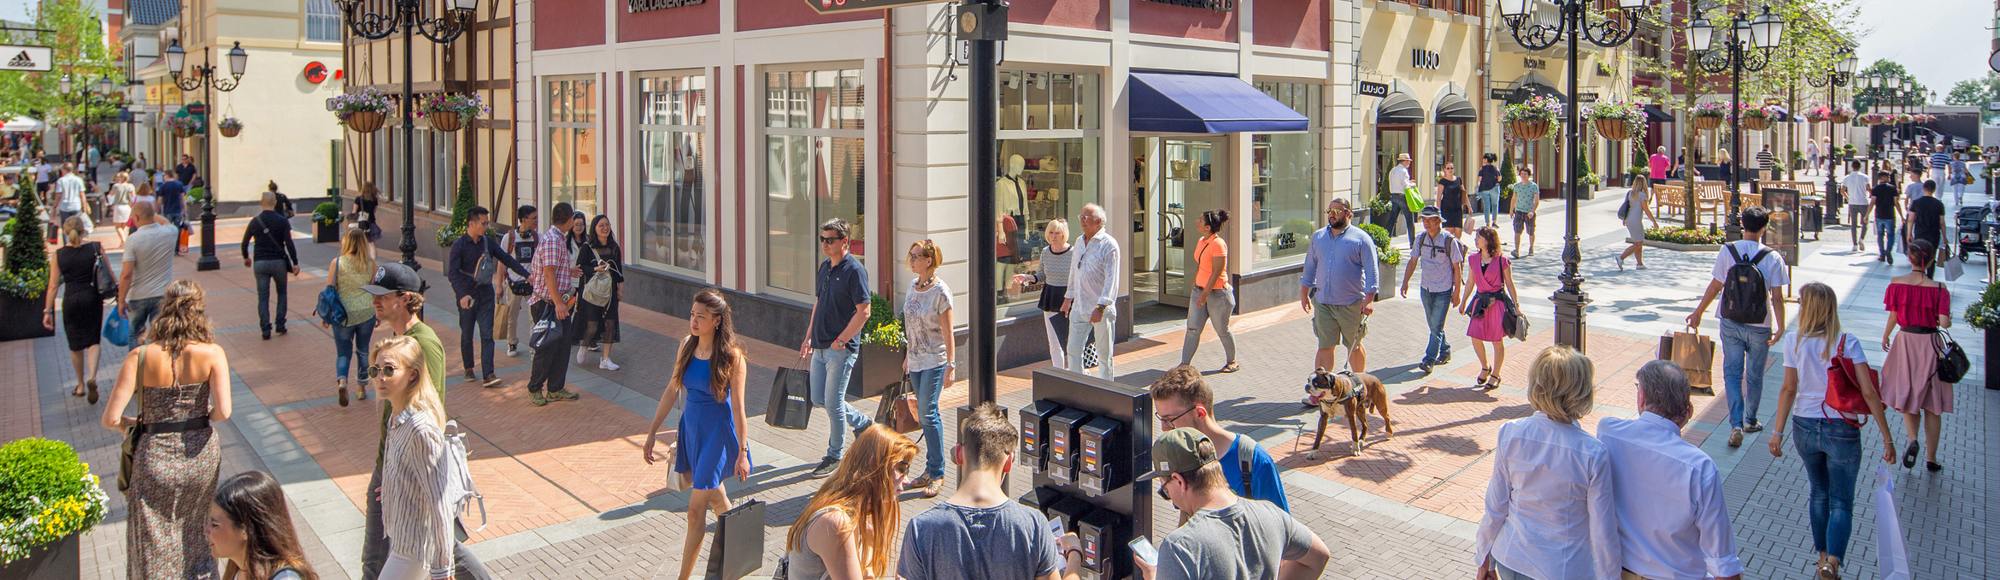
[(1216, 5), (636, 6)]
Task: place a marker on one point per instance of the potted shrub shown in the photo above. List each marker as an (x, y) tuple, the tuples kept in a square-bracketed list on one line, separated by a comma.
[(185, 126), (1386, 260), (1985, 316), (1754, 117), (882, 351), (229, 126), (461, 210), (47, 498), (448, 111), (1618, 121), (26, 275), (1535, 118), (326, 223), (363, 111), (1380, 210), (1708, 115)]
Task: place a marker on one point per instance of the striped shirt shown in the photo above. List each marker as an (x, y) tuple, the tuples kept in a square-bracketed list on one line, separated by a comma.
[(1941, 161), (415, 517), (1765, 160), (1055, 267)]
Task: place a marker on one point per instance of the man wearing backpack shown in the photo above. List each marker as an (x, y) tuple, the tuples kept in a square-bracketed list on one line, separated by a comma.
[(471, 269), (1751, 279), (1182, 399)]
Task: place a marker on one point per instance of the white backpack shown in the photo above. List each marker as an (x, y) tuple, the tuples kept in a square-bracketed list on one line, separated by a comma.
[(459, 491)]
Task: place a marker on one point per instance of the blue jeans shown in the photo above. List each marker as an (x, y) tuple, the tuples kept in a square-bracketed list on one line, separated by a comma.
[(1885, 236), (1489, 205), (270, 273), (1436, 306), (930, 385), (349, 341), (1831, 450), (829, 372), (480, 316), (1745, 349)]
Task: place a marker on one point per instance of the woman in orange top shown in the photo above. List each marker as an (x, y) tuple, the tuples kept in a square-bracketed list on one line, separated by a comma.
[(1214, 299)]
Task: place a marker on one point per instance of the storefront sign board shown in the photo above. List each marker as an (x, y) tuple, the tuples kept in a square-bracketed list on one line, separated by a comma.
[(1216, 5), (838, 6), (637, 6), (1534, 63), (1499, 94), (27, 58), (1586, 97), (1424, 59), (1368, 89)]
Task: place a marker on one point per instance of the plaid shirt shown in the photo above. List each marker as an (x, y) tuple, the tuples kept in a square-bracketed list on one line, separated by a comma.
[(552, 250)]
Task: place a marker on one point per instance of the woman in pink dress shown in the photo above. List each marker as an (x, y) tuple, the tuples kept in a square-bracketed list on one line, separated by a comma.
[(1489, 306), (1920, 307)]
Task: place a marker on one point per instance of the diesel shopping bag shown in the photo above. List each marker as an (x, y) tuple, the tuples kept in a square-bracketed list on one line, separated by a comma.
[(1891, 555), (1694, 353), (739, 542), (790, 406)]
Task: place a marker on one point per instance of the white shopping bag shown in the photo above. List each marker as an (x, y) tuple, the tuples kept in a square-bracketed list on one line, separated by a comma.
[(1892, 558), (1953, 268)]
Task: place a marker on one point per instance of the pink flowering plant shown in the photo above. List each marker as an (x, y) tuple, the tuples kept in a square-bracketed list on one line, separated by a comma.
[(1749, 111), (465, 104), (188, 123), (1631, 113), (366, 100), (1711, 109), (1538, 109)]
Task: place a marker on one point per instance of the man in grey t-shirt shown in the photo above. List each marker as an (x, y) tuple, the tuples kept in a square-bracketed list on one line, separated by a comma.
[(979, 533), (148, 267), (1223, 537)]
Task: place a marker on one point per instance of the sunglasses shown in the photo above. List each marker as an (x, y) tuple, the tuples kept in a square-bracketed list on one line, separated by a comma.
[(381, 370), (832, 240)]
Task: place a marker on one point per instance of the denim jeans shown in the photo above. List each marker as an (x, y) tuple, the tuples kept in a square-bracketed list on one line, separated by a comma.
[(930, 385), (1489, 205), (1831, 450), (349, 341), (829, 374), (1745, 349), (1436, 306), (481, 317), (1081, 332), (1397, 212), (271, 273), (143, 310), (1885, 236)]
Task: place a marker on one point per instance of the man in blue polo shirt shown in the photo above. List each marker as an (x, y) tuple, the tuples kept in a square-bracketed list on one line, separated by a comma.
[(840, 308)]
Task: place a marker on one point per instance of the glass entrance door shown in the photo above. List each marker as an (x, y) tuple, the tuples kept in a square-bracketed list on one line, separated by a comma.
[(1193, 178)]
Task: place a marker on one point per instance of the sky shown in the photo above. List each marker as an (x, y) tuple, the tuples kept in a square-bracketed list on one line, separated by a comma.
[(16, 10), (1940, 42)]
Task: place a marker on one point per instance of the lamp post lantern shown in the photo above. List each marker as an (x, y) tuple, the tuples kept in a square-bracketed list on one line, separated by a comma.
[(1573, 20), (208, 78), (1745, 45), (1835, 77), (412, 16)]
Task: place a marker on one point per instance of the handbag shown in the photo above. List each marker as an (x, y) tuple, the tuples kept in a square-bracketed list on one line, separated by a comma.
[(329, 308), (117, 328), (601, 288), (1951, 362), (132, 433), (1625, 208), (790, 406), (1843, 388), (739, 542), (107, 282), (548, 329), (898, 410)]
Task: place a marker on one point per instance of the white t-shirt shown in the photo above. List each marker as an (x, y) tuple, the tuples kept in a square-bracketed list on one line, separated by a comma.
[(69, 190), (1773, 267), (1857, 184), (1808, 357)]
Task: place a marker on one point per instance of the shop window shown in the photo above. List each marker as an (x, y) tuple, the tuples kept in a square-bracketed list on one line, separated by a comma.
[(673, 192), (436, 173), (1049, 122), (1285, 194), (572, 143), (1043, 100), (1450, 149), (815, 168), (322, 21)]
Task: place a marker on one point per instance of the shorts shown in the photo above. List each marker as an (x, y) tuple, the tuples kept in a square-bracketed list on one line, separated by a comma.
[(1337, 325), (1524, 222)]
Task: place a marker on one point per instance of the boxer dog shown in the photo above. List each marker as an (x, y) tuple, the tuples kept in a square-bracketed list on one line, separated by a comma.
[(1352, 394)]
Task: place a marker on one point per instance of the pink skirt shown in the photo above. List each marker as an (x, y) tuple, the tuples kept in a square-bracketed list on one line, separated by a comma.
[(1909, 380), (1487, 326)]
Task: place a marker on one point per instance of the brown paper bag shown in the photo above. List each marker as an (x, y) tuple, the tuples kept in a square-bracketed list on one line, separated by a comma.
[(1694, 353)]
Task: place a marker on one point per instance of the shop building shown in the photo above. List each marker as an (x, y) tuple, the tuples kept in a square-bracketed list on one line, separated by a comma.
[(1517, 74), (718, 135), (1422, 91)]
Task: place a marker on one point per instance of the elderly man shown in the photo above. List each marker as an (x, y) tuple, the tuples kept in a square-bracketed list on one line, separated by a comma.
[(1672, 522), (1400, 179), (1338, 287), (1093, 285)]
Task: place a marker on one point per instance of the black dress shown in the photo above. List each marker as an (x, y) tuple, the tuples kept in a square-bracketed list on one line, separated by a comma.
[(1451, 201), (83, 306), (600, 323)]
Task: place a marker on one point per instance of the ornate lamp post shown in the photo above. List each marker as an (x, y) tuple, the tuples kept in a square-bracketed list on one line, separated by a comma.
[(1573, 21), (82, 100), (1835, 77), (411, 16), (1745, 45), (206, 77)]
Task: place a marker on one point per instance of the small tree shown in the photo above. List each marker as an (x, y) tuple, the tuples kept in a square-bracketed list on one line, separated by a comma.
[(27, 271), (1506, 179), (461, 208)]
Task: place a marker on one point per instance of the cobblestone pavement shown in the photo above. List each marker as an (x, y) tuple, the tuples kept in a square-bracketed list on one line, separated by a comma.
[(570, 498)]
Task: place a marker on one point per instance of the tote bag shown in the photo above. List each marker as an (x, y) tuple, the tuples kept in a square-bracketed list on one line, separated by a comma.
[(739, 542), (1893, 557), (790, 406)]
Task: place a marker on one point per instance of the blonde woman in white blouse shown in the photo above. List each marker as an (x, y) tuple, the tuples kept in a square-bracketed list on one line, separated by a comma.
[(1550, 509), (416, 519)]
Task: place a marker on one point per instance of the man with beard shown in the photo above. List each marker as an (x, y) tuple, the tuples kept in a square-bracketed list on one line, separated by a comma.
[(1338, 287)]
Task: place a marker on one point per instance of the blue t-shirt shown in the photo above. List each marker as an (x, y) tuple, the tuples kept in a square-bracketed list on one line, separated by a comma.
[(1265, 481), (173, 198), (949, 542), (840, 290)]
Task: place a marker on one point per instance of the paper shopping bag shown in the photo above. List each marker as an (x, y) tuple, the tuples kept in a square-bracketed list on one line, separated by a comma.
[(1696, 356), (1892, 557), (739, 542), (790, 406)]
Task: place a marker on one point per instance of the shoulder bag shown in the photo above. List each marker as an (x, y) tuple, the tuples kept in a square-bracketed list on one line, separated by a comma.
[(899, 408), (132, 434), (1843, 386), (107, 282), (601, 288), (330, 309), (1951, 361)]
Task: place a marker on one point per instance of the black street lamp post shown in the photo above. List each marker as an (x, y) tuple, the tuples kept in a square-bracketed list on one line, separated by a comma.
[(1834, 78), (1745, 45), (82, 100), (206, 76), (1533, 32), (411, 16)]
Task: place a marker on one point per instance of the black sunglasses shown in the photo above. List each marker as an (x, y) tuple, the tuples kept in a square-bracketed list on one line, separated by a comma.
[(832, 240)]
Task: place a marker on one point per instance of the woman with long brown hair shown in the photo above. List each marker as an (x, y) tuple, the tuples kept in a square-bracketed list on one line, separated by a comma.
[(849, 529), (250, 526), (1919, 308), (181, 378), (712, 442), (1492, 302), (347, 273)]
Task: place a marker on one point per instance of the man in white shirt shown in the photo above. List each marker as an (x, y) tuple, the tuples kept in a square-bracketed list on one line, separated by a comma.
[(69, 191), (1672, 521), (1855, 186), (1747, 336), (1399, 180), (1093, 288)]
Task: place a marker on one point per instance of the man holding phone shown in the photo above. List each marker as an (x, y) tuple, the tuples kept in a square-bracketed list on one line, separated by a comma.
[(980, 532), (1222, 537)]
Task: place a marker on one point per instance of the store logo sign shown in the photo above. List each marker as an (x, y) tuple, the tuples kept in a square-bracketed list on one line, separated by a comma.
[(1534, 64), (27, 58), (1424, 59), (637, 6), (1369, 89), (1216, 5)]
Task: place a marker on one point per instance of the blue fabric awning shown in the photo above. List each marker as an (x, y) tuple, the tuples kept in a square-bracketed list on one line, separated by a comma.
[(1192, 103)]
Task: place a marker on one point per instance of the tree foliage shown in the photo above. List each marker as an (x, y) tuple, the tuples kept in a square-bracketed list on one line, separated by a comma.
[(27, 260), (76, 34), (1976, 93)]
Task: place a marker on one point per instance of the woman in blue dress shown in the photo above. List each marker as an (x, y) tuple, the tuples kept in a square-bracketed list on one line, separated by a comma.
[(711, 439)]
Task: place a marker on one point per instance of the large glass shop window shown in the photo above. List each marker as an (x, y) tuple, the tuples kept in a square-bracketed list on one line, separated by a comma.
[(673, 195), (1285, 199), (572, 143), (815, 168), (1049, 164)]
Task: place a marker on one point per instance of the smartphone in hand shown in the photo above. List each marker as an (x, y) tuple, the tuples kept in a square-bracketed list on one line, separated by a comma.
[(1143, 548)]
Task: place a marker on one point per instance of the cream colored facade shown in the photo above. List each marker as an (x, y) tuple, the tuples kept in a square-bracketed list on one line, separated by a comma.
[(1430, 60), (1606, 75)]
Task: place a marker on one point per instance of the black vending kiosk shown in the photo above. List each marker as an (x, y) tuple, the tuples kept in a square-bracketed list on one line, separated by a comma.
[(1094, 435)]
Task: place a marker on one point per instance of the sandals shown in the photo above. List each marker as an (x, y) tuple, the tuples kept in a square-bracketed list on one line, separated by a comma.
[(1231, 367), (1484, 373), (93, 392), (1910, 456)]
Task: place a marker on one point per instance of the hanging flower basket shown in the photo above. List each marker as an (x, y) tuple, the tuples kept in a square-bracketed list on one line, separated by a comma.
[(185, 127), (1617, 120), (1530, 130), (1533, 119), (365, 121), (448, 111), (1756, 123), (444, 120), (229, 126), (1613, 129), (363, 111), (1840, 117), (1707, 123)]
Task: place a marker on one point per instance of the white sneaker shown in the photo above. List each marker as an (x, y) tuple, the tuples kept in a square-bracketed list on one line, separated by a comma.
[(579, 355), (606, 364), (510, 349)]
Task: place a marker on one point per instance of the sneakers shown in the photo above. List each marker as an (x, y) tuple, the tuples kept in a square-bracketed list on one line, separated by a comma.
[(579, 355), (511, 349), (561, 395), (281, 329), (1752, 427), (825, 468), (490, 382), (535, 398), (594, 348), (1735, 437), (1424, 367), (606, 364), (471, 377)]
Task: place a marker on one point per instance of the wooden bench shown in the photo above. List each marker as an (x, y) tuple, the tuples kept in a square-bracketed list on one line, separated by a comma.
[(1669, 200)]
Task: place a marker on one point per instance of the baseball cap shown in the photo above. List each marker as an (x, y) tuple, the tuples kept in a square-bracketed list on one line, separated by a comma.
[(1178, 451), (1431, 212), (393, 277)]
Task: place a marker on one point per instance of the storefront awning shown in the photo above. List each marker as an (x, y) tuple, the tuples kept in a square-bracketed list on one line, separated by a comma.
[(1527, 91), (1454, 108), (1191, 103), (1654, 114), (23, 125), (1399, 108)]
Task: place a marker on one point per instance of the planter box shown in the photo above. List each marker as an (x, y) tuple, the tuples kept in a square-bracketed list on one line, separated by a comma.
[(326, 233), (21, 318), (52, 561), (1683, 247), (1386, 276), (878, 367)]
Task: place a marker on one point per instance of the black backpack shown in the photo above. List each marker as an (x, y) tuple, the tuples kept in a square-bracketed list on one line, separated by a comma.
[(1745, 297)]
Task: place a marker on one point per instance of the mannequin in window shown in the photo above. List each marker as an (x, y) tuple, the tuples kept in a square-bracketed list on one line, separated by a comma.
[(1011, 196)]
